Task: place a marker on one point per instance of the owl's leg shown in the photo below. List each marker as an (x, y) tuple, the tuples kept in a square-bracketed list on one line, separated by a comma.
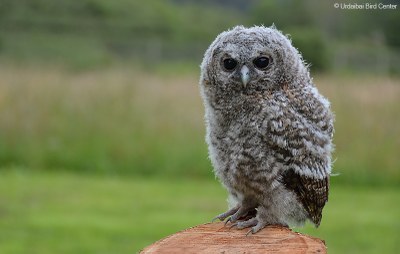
[(246, 224), (245, 211), (226, 214), (253, 223), (257, 227), (264, 218)]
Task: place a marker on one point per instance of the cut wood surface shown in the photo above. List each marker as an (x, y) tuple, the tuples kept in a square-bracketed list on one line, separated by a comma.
[(217, 238)]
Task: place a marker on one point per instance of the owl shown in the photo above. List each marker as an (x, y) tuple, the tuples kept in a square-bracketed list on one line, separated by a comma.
[(268, 129)]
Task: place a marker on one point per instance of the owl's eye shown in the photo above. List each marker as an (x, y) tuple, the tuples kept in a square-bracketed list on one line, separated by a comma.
[(229, 64), (261, 62)]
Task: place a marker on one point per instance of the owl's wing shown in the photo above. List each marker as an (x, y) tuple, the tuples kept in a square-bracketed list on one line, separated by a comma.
[(300, 136), (312, 193)]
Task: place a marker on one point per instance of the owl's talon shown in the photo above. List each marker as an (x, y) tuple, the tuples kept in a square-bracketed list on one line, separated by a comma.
[(249, 232), (240, 214), (248, 223), (233, 225), (217, 218), (228, 220), (257, 228), (226, 214)]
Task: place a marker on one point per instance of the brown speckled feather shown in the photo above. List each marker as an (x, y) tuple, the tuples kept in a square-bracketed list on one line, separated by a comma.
[(312, 193)]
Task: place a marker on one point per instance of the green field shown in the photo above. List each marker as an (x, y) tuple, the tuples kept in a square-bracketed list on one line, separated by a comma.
[(110, 160), (126, 121), (70, 213), (66, 213)]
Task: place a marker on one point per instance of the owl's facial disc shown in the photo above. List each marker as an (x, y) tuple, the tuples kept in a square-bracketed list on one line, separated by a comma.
[(245, 75)]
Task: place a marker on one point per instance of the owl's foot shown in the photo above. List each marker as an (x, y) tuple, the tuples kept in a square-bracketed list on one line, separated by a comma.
[(247, 223), (253, 222), (243, 213), (226, 214), (257, 227)]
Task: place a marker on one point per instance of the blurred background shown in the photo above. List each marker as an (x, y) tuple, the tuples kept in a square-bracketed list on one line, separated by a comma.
[(101, 123)]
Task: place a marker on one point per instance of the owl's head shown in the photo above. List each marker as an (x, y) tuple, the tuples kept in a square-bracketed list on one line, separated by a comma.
[(249, 61)]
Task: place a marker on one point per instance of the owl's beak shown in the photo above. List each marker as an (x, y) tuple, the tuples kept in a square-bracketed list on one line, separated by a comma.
[(245, 75)]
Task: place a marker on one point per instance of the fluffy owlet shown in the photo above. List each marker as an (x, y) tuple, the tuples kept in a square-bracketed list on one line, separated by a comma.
[(269, 130)]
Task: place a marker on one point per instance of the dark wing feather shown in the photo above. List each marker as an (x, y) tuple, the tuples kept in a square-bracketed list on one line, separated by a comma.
[(311, 192)]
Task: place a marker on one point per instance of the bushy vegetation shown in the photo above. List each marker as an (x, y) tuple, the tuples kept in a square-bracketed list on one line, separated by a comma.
[(129, 122), (92, 33), (118, 122), (327, 35)]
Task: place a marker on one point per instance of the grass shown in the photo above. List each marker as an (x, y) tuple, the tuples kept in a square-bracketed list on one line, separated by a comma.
[(62, 212), (366, 111), (125, 121), (117, 122), (66, 213), (111, 160)]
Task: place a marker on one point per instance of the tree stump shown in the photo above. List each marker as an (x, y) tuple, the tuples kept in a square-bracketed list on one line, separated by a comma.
[(217, 238)]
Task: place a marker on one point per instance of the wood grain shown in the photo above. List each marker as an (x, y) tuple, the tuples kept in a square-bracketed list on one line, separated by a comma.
[(217, 238)]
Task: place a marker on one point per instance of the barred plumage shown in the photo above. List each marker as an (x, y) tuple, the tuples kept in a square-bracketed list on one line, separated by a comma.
[(269, 131)]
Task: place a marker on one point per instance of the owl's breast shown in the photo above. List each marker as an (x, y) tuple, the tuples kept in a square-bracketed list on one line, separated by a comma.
[(238, 152)]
